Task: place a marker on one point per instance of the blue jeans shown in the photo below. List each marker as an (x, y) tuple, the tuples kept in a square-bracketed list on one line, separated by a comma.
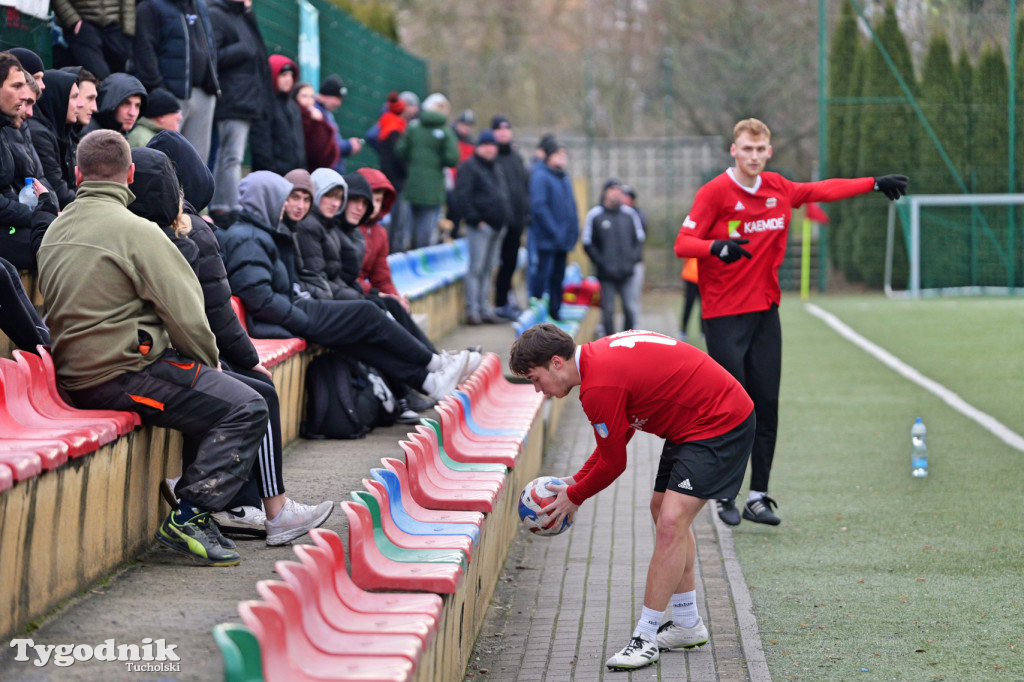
[(548, 278), (424, 224)]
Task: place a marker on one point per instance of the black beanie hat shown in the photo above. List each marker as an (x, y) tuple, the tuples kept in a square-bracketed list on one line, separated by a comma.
[(29, 59), (333, 86), (161, 102)]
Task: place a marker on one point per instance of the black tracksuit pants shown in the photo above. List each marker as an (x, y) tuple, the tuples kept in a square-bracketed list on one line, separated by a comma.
[(749, 346), (509, 257)]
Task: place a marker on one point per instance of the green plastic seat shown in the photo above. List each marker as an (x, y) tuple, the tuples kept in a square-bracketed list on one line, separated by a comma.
[(402, 554), (460, 466), (241, 652)]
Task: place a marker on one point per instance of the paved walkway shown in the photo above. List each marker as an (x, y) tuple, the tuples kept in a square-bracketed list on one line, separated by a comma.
[(564, 605)]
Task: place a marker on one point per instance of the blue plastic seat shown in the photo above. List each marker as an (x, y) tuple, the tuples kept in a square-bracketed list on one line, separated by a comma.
[(467, 409), (414, 526)]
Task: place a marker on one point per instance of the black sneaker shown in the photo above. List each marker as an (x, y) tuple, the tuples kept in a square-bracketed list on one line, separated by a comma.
[(418, 402), (196, 539), (728, 512), (760, 511)]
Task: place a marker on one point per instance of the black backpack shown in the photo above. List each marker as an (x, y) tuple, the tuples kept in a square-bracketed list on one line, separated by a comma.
[(345, 399)]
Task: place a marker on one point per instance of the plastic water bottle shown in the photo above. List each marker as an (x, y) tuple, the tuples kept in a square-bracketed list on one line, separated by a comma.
[(27, 195), (919, 451)]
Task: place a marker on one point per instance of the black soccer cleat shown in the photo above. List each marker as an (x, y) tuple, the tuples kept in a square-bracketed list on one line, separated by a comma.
[(728, 512), (760, 511)]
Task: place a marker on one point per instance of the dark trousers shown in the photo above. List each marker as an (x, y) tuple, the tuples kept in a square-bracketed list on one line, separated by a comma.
[(266, 477), (404, 318), (18, 317), (362, 330), (226, 418), (749, 346), (509, 257), (101, 50), (691, 297), (548, 277)]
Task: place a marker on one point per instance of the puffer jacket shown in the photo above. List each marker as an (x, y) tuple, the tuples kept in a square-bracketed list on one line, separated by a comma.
[(375, 274), (427, 148), (242, 67), (99, 12), (554, 224), (173, 47), (259, 254), (319, 239), (16, 220), (196, 180)]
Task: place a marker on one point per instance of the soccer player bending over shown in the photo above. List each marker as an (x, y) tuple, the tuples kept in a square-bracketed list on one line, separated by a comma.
[(648, 382), (737, 229)]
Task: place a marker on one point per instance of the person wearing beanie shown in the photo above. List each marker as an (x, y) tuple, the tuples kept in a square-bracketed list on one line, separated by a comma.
[(391, 126), (511, 165), (163, 112), (613, 239), (329, 100), (481, 193), (554, 225), (428, 147), (32, 64)]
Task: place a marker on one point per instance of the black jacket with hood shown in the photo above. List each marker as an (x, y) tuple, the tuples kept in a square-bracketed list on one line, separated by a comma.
[(116, 88), (241, 62), (16, 219), (319, 239), (276, 140), (481, 193), (53, 137), (234, 344), (259, 254), (353, 241)]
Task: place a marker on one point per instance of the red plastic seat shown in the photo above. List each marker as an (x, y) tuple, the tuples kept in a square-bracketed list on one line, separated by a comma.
[(421, 513), (52, 453), (492, 414), (371, 570), (359, 599), (427, 447), (21, 465), (17, 382), (271, 351), (314, 580), (433, 496), (47, 398), (313, 632), (267, 623), (6, 477), (460, 448)]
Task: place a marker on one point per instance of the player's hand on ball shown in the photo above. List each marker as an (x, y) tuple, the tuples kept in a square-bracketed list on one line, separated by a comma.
[(729, 250), (892, 186), (562, 506)]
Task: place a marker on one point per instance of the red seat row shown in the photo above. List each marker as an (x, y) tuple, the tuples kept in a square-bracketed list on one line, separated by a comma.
[(271, 351)]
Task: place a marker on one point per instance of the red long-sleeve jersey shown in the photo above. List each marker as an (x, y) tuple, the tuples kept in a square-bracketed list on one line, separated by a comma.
[(648, 382), (725, 209)]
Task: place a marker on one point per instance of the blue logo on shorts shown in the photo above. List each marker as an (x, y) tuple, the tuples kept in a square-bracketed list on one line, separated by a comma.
[(602, 430)]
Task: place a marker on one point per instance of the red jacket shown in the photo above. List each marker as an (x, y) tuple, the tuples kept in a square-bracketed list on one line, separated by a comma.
[(376, 273), (321, 149)]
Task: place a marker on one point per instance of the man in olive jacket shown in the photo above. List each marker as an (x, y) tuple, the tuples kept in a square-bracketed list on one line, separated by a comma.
[(130, 333)]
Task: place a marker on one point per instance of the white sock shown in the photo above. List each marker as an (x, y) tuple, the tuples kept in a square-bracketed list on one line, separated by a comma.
[(754, 495), (684, 609), (436, 362), (648, 624)]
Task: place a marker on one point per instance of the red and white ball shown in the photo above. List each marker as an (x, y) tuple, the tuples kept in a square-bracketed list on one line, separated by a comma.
[(532, 503)]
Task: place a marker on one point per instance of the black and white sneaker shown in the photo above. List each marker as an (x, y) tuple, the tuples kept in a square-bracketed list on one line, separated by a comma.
[(728, 512), (760, 511), (242, 520), (639, 653)]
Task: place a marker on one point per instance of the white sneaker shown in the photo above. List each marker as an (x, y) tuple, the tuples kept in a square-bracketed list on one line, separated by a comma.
[(442, 382), (472, 363), (243, 520), (639, 653), (672, 636), (296, 519)]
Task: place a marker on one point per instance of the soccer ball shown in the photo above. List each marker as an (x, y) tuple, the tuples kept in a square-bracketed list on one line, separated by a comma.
[(534, 498)]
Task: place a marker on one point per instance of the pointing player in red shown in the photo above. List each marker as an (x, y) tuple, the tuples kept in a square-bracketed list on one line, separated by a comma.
[(738, 228), (639, 380)]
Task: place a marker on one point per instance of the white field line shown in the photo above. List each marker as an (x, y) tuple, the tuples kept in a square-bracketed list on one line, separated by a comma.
[(987, 421)]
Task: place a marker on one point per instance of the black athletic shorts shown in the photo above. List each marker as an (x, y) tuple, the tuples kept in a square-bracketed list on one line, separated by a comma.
[(711, 469)]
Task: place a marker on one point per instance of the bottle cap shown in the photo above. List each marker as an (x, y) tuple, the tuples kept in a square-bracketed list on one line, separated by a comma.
[(29, 181), (917, 421)]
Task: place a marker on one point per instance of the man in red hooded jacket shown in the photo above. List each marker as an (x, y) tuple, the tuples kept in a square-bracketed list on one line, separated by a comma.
[(375, 274)]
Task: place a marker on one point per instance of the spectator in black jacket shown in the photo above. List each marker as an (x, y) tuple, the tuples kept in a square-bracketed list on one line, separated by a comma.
[(246, 95), (518, 181), (259, 253), (18, 317), (122, 99), (173, 49), (17, 137), (481, 193), (16, 240), (276, 140), (319, 238), (298, 217), (52, 130)]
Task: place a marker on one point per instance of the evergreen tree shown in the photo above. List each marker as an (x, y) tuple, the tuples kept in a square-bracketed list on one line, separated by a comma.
[(889, 133), (842, 213)]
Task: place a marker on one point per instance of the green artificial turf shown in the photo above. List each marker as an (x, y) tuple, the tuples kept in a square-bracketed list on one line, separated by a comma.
[(874, 574)]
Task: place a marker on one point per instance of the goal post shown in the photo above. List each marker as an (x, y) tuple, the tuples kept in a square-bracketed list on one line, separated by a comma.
[(958, 244)]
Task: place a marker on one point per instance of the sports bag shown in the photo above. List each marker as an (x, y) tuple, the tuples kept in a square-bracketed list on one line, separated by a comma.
[(345, 399)]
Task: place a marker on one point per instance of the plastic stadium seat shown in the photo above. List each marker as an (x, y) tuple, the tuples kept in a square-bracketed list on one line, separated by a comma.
[(423, 456), (474, 432), (410, 284), (51, 453), (484, 424), (307, 630), (20, 465), (312, 580), (17, 382), (18, 421), (371, 570), (271, 351), (405, 555), (432, 430), (384, 525), (509, 411), (241, 652), (47, 399), (462, 449), (444, 494), (417, 520), (359, 599), (267, 623), (426, 439), (6, 477)]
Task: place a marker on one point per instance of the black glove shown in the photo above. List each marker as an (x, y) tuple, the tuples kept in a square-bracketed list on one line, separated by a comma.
[(892, 186), (729, 250)]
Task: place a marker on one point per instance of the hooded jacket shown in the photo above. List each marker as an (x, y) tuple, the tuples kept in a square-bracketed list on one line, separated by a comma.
[(259, 254), (116, 88), (614, 240), (173, 47), (242, 68), (15, 218), (276, 140), (427, 148), (319, 238), (375, 274), (554, 224), (53, 137), (101, 299), (353, 245), (196, 181)]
